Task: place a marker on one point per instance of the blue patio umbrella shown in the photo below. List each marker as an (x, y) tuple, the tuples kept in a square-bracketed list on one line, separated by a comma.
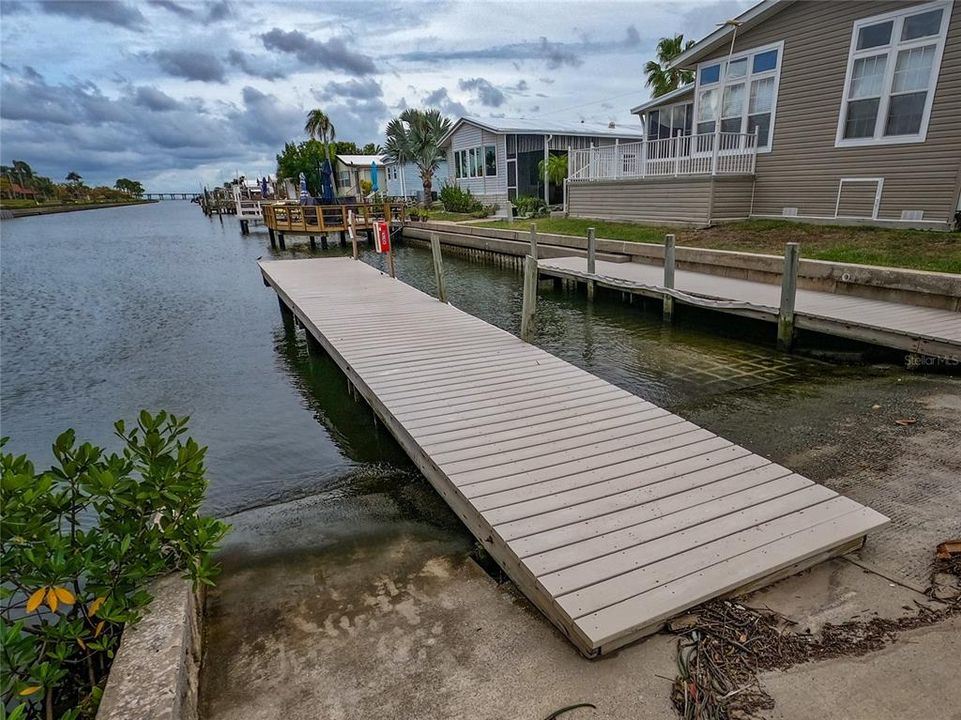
[(373, 177), (303, 189), (326, 184), (263, 188)]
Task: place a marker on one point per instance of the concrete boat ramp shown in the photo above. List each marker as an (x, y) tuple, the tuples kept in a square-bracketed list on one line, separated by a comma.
[(611, 514)]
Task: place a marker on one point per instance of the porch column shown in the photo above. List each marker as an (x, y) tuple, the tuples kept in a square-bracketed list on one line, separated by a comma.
[(547, 184)]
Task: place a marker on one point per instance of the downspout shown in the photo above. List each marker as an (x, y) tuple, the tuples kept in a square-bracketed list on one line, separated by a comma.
[(547, 155)]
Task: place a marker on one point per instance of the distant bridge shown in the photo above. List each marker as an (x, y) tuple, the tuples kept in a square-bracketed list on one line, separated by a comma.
[(170, 196)]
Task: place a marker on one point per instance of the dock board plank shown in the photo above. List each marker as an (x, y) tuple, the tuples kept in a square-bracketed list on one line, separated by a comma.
[(905, 327), (610, 513)]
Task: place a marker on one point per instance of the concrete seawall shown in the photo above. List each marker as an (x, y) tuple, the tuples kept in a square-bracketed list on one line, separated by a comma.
[(913, 287)]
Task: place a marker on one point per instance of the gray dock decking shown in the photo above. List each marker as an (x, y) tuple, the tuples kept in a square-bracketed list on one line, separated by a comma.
[(611, 514), (928, 331)]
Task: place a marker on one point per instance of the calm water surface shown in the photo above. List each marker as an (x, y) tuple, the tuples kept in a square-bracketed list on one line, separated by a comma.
[(109, 311)]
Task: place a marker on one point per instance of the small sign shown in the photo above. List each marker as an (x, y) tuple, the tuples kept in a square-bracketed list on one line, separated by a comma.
[(382, 237)]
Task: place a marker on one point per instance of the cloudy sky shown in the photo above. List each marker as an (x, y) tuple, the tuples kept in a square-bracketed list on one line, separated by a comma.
[(179, 93)]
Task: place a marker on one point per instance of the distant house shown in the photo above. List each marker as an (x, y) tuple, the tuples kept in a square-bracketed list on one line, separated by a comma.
[(497, 158), (351, 169), (840, 112), (403, 180)]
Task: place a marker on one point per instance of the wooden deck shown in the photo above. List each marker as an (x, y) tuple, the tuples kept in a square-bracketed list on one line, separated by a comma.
[(296, 219), (611, 514), (927, 331)]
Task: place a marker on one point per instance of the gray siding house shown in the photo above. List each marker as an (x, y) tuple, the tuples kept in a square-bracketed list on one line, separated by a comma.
[(496, 158), (820, 111)]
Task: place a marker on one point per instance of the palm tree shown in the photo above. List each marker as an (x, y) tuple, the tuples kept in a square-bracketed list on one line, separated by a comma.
[(415, 137), (372, 149), (662, 79), (74, 177), (321, 128), (556, 169)]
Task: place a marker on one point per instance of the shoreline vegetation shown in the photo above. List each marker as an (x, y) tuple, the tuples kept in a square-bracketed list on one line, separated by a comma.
[(34, 210), (929, 250)]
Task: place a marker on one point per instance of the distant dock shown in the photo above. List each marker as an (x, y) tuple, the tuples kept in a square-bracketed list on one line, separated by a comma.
[(611, 514)]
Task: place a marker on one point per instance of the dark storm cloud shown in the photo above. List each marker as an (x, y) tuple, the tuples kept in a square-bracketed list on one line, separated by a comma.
[(105, 11), (332, 54), (366, 89), (31, 74), (217, 11), (255, 66), (174, 7), (156, 100), (264, 120), (485, 92), (443, 102), (554, 54), (191, 65), (521, 86)]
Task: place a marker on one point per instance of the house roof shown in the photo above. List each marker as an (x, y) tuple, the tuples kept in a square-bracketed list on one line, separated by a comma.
[(717, 39), (545, 127), (665, 99), (363, 160)]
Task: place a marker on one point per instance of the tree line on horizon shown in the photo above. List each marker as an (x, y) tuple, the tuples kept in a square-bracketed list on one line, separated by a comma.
[(19, 181)]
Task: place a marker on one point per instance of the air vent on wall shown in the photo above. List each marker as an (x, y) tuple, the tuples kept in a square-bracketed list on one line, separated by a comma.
[(789, 212), (912, 214)]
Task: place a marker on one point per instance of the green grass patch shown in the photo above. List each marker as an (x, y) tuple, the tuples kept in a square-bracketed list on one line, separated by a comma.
[(930, 250)]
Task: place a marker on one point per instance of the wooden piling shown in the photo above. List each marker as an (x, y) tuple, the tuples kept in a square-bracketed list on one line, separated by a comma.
[(438, 267), (669, 255), (280, 241), (272, 236), (286, 314), (313, 242), (323, 242), (591, 262), (529, 298), (785, 318), (534, 240)]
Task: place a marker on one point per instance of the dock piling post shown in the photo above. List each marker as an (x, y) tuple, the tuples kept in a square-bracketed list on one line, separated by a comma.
[(313, 242), (534, 240), (438, 267), (785, 317), (280, 239), (286, 314), (669, 255), (273, 238), (323, 242), (352, 231), (591, 262), (529, 301), (244, 229)]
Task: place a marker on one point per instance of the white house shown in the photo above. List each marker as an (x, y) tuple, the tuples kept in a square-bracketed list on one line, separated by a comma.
[(351, 169), (403, 180), (497, 158)]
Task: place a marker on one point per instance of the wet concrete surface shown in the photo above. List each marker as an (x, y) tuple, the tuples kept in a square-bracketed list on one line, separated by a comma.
[(377, 611)]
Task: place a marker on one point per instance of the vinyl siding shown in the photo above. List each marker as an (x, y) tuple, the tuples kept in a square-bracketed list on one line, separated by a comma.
[(682, 200), (804, 168), (732, 198), (487, 189), (856, 199)]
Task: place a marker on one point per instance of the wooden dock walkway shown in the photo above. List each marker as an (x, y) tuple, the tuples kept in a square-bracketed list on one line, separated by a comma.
[(922, 330), (611, 514)]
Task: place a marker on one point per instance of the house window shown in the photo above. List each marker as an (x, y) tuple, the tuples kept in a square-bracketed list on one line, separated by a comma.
[(344, 178), (669, 121), (490, 160), (475, 162), (892, 72), (741, 95)]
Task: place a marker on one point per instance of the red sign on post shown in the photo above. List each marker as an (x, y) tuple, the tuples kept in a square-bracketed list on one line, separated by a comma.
[(382, 237)]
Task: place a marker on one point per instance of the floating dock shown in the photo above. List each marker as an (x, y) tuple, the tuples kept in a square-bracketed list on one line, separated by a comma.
[(912, 328), (611, 514)]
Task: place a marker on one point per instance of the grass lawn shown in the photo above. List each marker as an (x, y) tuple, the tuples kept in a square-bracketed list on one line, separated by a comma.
[(452, 216), (916, 249)]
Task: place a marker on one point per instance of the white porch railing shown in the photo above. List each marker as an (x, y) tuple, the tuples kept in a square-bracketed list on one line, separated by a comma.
[(705, 154)]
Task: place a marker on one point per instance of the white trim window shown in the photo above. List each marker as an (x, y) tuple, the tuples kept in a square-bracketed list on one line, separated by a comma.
[(749, 84), (476, 162), (892, 73), (670, 121)]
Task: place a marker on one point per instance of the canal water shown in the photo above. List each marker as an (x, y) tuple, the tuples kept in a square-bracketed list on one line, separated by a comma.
[(106, 312)]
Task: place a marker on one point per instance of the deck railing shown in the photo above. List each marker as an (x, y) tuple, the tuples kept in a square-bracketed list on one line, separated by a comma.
[(320, 219), (704, 154)]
